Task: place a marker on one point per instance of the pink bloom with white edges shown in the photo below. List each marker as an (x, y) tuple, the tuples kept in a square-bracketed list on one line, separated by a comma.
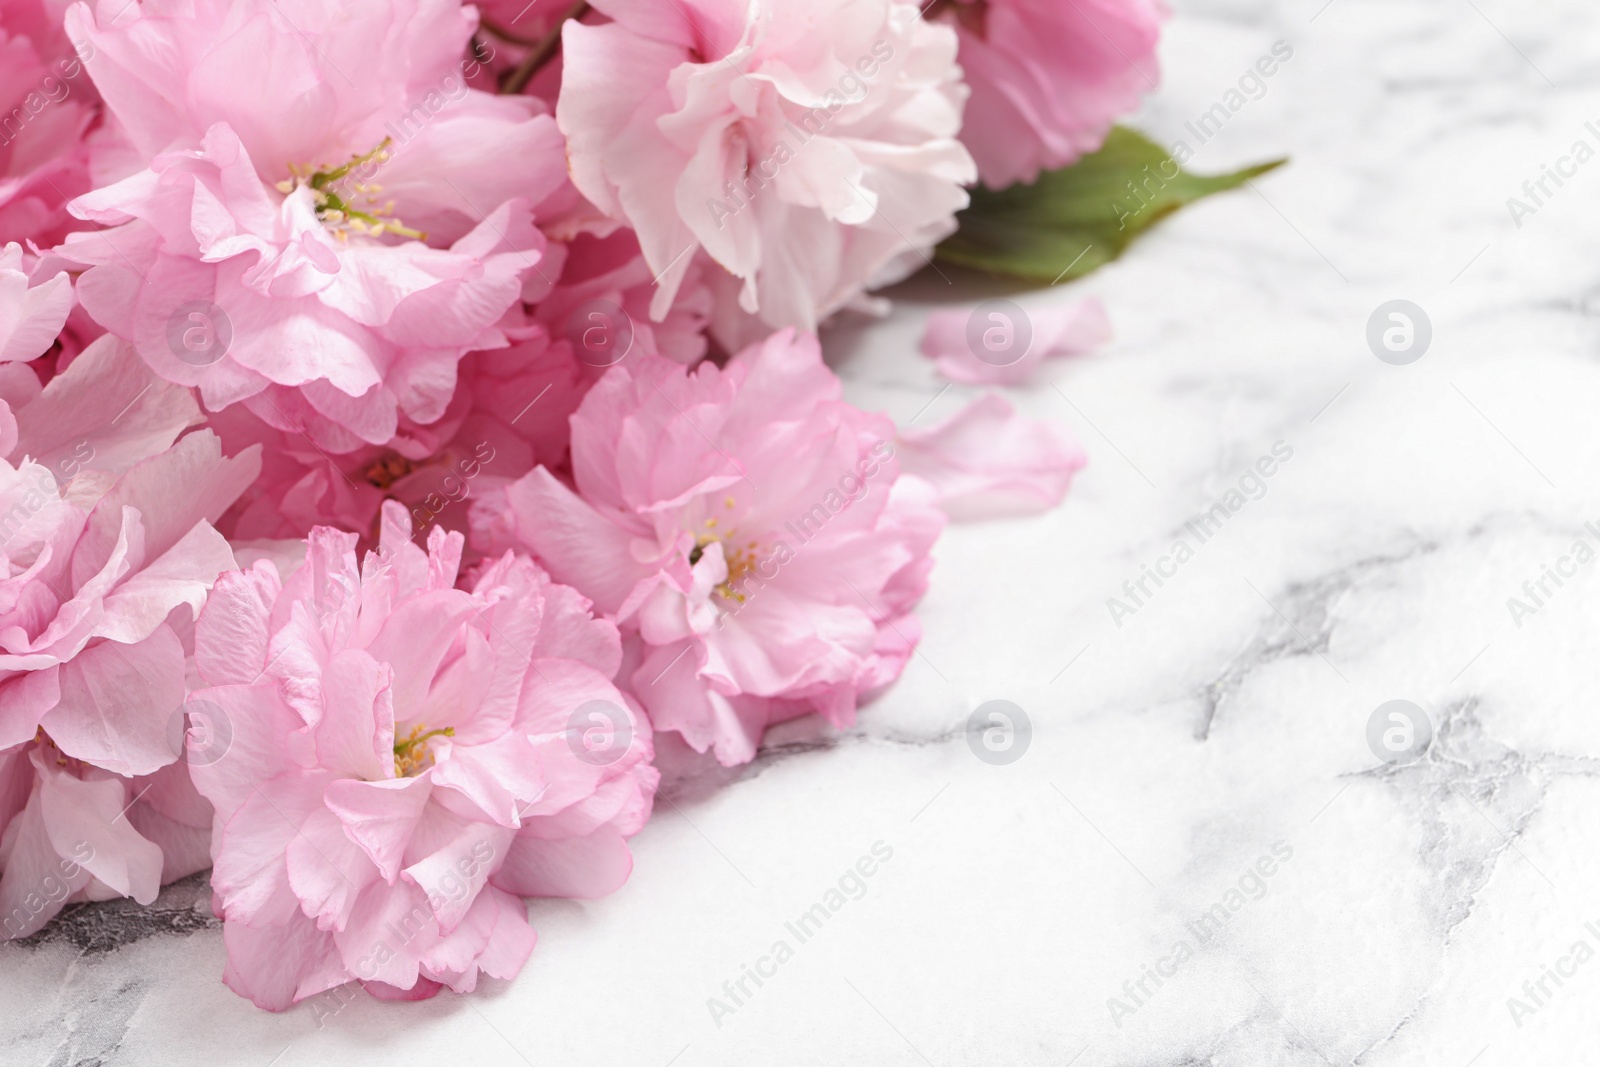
[(47, 106), (329, 219), (1049, 77), (802, 145), (408, 759), (751, 533)]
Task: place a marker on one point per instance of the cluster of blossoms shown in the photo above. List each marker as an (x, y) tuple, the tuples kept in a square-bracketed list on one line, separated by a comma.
[(412, 422)]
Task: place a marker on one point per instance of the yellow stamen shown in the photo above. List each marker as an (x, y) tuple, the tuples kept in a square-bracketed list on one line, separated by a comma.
[(332, 208), (412, 753), (739, 561), (384, 472)]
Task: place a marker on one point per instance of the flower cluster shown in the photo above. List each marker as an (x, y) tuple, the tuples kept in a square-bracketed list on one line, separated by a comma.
[(411, 413)]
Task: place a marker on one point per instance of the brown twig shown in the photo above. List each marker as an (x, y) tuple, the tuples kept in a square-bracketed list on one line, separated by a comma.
[(541, 51)]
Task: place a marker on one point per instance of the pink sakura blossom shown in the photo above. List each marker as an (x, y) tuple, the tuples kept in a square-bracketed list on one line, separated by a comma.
[(106, 554), (47, 106), (408, 759), (983, 347), (73, 831), (86, 649), (1049, 77), (509, 413), (803, 146), (987, 461), (748, 529), (257, 257)]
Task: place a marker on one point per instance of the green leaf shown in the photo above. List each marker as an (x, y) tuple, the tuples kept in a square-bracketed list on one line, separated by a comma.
[(1075, 220)]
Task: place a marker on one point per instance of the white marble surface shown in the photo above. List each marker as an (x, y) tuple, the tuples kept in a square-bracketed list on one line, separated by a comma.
[(1227, 715)]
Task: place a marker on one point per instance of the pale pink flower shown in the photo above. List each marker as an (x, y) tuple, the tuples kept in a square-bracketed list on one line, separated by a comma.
[(748, 529), (1049, 77), (509, 413), (47, 106), (1007, 345), (71, 831), (94, 569), (328, 218), (408, 759), (802, 145), (106, 554), (987, 461)]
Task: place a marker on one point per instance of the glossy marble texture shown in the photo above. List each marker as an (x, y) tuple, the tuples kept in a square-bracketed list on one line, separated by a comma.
[(1200, 857)]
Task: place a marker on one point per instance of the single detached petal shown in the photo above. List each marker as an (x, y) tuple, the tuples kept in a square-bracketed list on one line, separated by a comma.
[(1007, 346), (988, 461)]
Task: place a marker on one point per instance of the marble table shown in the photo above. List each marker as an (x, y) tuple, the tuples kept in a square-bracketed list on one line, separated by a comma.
[(1212, 849)]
